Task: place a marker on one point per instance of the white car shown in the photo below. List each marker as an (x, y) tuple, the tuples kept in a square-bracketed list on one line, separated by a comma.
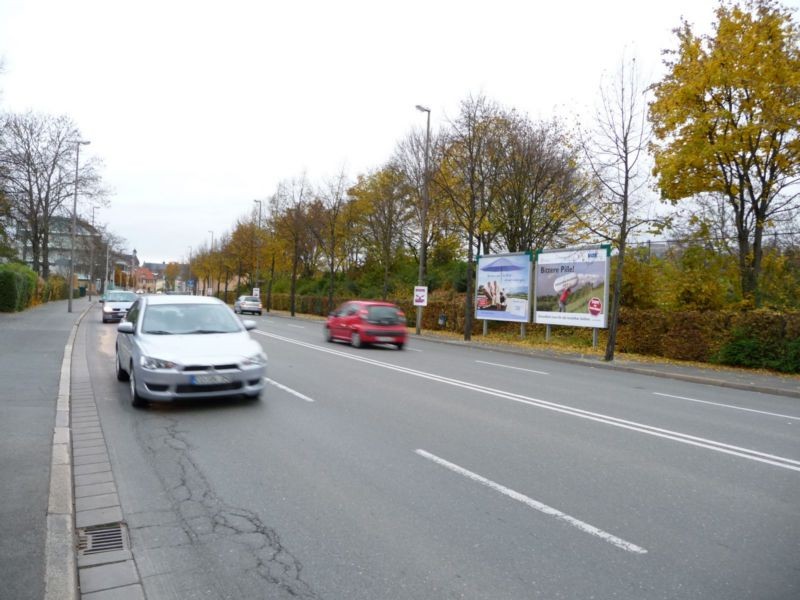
[(184, 347), (116, 304)]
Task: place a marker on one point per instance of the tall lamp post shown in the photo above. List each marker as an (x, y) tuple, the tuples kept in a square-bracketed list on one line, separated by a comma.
[(423, 217), (258, 250), (190, 271), (91, 258), (78, 144)]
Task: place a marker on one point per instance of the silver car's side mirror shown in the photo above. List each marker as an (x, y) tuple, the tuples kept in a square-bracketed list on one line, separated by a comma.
[(249, 324), (125, 327)]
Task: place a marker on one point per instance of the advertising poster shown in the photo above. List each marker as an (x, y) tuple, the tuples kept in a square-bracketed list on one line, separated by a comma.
[(503, 287), (572, 287)]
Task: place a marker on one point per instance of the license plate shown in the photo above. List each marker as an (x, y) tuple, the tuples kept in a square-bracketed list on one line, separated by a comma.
[(384, 338), (210, 379)]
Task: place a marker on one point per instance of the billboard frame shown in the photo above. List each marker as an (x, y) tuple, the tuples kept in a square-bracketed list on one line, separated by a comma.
[(567, 260), (514, 263)]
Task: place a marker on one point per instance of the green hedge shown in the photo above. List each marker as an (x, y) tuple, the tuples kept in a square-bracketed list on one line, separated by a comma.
[(17, 287)]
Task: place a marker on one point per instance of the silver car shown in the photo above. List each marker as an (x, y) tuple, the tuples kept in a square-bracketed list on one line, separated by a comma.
[(116, 304), (174, 347), (245, 304)]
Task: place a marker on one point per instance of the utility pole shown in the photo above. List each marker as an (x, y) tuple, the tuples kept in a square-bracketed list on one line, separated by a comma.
[(91, 257)]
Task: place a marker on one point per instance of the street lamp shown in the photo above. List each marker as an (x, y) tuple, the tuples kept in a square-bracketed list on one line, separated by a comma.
[(78, 144), (258, 251), (423, 217), (191, 283), (91, 257)]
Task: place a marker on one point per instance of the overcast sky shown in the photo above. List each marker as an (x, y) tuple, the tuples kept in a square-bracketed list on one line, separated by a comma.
[(196, 108)]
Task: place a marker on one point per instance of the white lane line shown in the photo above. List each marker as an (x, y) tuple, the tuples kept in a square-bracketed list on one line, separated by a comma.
[(753, 410), (295, 326), (413, 349), (683, 438), (287, 389), (535, 504), (483, 362)]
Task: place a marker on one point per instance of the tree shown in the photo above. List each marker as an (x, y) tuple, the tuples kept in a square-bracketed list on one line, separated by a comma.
[(382, 199), (289, 216), (615, 150), (171, 272), (468, 178), (327, 223), (541, 185), (37, 169), (726, 119)]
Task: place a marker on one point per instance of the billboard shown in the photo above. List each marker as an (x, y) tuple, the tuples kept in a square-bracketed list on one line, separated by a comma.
[(572, 287), (503, 287)]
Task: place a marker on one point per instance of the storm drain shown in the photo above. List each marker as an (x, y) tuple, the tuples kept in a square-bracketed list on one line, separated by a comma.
[(102, 538)]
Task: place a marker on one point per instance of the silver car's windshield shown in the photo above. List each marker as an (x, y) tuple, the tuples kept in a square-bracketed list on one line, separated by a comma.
[(120, 297), (183, 319)]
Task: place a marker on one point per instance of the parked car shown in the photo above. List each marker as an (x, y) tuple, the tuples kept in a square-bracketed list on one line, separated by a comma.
[(176, 347), (116, 304), (363, 322), (251, 304)]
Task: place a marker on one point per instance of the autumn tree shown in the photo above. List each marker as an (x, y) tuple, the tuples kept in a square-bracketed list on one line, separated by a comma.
[(327, 224), (468, 177), (289, 212), (383, 201), (171, 272), (726, 119), (615, 150), (540, 186)]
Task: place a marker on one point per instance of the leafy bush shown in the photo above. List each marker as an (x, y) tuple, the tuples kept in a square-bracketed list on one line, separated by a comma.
[(17, 287)]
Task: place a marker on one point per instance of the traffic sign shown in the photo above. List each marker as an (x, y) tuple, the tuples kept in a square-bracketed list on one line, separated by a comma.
[(421, 295), (595, 306)]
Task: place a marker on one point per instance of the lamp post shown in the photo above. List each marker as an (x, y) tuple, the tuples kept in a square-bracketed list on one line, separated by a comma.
[(78, 144), (423, 217), (258, 250), (212, 252), (91, 258)]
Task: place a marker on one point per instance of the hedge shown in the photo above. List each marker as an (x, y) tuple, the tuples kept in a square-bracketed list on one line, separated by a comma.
[(754, 339), (17, 287)]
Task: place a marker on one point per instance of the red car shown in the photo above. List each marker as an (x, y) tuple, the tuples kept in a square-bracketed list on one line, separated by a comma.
[(362, 322)]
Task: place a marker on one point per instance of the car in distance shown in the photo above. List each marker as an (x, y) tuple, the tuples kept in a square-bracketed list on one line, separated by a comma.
[(251, 304), (183, 347), (362, 322), (116, 304)]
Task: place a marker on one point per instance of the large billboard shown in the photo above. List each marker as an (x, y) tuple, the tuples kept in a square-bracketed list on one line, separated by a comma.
[(503, 287), (572, 287)]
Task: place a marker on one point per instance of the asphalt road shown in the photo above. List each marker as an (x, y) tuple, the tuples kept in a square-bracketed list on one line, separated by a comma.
[(448, 472)]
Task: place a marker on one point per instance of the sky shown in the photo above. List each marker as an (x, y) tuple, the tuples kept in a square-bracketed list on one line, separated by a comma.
[(197, 108)]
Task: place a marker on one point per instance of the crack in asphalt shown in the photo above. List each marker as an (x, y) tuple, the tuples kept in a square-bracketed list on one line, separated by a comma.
[(245, 554)]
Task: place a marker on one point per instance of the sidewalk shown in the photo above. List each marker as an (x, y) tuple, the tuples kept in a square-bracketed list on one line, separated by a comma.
[(31, 352)]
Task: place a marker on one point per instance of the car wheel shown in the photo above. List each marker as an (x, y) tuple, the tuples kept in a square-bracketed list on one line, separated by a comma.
[(259, 313), (136, 400), (400, 346), (355, 340), (122, 375), (253, 397), (328, 334)]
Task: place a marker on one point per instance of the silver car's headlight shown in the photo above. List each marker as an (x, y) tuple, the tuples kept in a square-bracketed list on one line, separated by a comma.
[(258, 360), (148, 362), (107, 309)]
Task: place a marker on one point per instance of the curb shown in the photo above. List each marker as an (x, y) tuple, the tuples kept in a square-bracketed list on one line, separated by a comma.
[(61, 571)]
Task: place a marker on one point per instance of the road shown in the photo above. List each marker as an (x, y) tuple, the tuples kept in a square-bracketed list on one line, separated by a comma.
[(448, 472)]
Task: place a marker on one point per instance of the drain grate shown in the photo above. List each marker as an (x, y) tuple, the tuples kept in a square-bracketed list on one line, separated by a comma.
[(101, 538)]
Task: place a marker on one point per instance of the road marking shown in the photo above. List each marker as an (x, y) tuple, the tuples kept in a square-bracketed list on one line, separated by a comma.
[(413, 349), (287, 389), (760, 412), (683, 438), (483, 362), (296, 326), (535, 504)]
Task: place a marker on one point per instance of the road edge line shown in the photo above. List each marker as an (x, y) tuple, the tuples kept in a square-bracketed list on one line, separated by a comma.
[(61, 566)]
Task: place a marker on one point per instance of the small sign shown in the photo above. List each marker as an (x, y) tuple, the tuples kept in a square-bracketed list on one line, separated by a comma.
[(421, 295), (595, 306), (257, 292)]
